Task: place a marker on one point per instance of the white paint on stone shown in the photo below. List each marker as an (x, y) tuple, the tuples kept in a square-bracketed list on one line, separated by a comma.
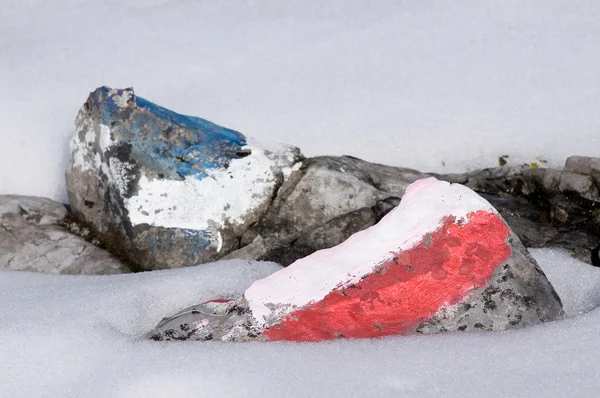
[(121, 100), (80, 152), (105, 138), (78, 148), (120, 173), (219, 242), (424, 206), (225, 196), (287, 171)]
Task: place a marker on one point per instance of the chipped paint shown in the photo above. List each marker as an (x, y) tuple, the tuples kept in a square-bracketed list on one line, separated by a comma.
[(242, 188), (204, 167)]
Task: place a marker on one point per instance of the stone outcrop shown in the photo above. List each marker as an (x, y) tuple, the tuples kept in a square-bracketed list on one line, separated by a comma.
[(165, 190), (443, 260), (544, 207), (34, 237)]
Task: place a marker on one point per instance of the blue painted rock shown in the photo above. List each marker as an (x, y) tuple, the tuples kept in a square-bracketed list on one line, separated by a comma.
[(165, 190), (443, 260)]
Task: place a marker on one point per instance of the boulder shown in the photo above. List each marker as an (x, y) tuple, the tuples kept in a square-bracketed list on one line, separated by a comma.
[(166, 190), (325, 200), (443, 260), (325, 187), (34, 237)]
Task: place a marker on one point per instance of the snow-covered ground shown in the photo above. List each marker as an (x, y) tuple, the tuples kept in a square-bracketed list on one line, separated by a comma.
[(434, 85), (66, 336)]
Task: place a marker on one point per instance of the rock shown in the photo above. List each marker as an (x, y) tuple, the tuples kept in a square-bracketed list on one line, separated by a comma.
[(292, 247), (443, 260), (166, 190), (327, 187), (32, 238), (544, 207), (324, 201), (202, 322), (584, 165)]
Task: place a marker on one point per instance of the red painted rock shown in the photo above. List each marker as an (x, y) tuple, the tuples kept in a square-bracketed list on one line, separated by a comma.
[(443, 260)]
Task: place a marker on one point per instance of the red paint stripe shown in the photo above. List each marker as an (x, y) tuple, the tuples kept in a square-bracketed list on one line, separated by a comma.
[(407, 290)]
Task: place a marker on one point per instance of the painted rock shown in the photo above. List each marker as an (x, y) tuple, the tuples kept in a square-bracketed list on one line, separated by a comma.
[(443, 260), (165, 190)]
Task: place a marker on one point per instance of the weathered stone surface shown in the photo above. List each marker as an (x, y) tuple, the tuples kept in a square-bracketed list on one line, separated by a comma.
[(166, 190), (584, 165), (289, 248), (324, 201), (205, 321), (544, 207), (442, 260), (32, 238), (327, 187)]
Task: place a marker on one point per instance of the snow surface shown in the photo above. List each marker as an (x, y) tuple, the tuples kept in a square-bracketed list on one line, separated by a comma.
[(425, 205), (78, 336), (434, 85)]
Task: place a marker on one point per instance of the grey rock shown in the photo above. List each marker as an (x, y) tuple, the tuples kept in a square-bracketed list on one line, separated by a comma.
[(327, 187), (33, 238), (544, 207), (584, 165), (164, 190), (323, 203), (292, 247), (218, 320)]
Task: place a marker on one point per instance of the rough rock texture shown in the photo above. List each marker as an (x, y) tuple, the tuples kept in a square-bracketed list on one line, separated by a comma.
[(324, 201), (544, 207), (166, 190), (584, 165), (33, 238), (444, 259)]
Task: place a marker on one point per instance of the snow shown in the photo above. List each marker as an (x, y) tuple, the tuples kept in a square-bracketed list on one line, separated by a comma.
[(425, 205), (440, 86), (433, 85), (67, 336)]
